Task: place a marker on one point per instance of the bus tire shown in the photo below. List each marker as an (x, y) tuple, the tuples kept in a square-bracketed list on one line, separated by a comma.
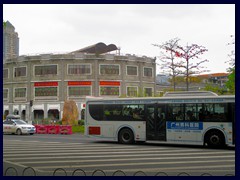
[(215, 138), (126, 136)]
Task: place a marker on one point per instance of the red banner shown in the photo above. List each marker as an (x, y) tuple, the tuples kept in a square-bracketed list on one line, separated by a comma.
[(79, 83), (37, 84), (109, 83)]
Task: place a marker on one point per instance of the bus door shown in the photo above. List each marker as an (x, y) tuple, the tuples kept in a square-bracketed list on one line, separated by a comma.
[(155, 122)]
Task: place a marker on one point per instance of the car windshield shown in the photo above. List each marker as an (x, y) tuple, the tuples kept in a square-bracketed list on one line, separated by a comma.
[(19, 122)]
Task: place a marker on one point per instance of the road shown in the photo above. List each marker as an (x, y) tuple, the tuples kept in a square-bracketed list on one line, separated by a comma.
[(76, 155)]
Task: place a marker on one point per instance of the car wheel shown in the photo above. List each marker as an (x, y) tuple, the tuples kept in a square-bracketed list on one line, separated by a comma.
[(19, 132)]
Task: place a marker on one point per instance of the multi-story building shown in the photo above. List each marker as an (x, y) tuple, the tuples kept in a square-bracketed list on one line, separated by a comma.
[(162, 79), (215, 78), (10, 42), (36, 87)]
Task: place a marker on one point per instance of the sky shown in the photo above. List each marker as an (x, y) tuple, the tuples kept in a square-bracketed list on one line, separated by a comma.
[(134, 28)]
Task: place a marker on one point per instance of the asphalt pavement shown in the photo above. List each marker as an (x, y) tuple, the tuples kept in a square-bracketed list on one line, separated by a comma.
[(77, 155)]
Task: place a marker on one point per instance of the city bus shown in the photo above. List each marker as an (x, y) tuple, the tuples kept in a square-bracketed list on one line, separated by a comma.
[(181, 118)]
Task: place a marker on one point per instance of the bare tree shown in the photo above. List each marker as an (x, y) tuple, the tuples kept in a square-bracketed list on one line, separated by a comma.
[(167, 58), (230, 84), (187, 54), (231, 56)]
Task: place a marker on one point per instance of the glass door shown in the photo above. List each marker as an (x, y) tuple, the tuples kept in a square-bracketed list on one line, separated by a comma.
[(156, 122)]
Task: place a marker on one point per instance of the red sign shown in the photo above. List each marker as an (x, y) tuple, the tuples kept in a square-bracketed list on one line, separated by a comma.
[(109, 83), (79, 83), (92, 130), (37, 84)]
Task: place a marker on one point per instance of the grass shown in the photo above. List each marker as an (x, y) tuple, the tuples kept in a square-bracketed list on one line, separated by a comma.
[(78, 129)]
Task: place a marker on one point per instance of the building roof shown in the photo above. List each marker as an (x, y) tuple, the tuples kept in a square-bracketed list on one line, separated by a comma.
[(213, 75), (98, 48), (9, 25)]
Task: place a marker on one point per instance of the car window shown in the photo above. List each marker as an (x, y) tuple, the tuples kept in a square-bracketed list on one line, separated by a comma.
[(20, 122), (8, 122)]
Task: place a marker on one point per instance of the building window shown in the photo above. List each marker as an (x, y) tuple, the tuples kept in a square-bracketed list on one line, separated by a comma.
[(148, 92), (46, 70), (148, 72), (132, 91), (109, 91), (20, 71), (109, 69), (83, 69), (5, 73), (45, 91), (20, 92), (5, 93), (132, 70), (79, 91)]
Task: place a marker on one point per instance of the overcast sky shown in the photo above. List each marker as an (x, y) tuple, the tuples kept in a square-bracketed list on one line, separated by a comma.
[(134, 28)]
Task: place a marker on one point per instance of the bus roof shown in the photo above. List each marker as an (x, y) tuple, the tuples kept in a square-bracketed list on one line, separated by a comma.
[(171, 99), (189, 93)]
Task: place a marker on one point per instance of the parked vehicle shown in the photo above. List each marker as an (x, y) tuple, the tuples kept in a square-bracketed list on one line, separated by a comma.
[(18, 126), (12, 116)]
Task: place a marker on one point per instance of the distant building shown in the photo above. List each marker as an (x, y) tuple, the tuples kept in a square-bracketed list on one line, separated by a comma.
[(197, 82), (215, 78), (162, 79), (10, 42)]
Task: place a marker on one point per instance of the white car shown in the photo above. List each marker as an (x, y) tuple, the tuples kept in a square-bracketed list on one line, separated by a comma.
[(17, 126)]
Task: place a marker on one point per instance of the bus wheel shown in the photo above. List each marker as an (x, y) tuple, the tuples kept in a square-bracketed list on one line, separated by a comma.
[(126, 136), (215, 139)]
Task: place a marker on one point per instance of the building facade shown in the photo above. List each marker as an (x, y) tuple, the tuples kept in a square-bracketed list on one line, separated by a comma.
[(36, 87), (10, 42), (219, 79)]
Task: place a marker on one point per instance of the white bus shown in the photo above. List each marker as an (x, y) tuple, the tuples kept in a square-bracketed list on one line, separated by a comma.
[(200, 119)]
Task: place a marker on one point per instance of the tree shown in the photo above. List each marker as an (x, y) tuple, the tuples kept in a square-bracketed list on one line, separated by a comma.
[(177, 59), (4, 24), (231, 56), (188, 53), (178, 80), (167, 57), (70, 113), (231, 77), (230, 84)]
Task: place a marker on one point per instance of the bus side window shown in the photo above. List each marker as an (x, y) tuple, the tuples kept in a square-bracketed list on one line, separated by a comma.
[(190, 116)]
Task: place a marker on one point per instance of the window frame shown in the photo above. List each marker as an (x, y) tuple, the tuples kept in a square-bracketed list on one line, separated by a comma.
[(20, 88), (46, 87), (119, 69), (146, 67), (148, 88), (14, 71), (7, 93), (7, 73), (127, 70), (79, 95), (90, 66), (111, 87), (131, 87), (34, 70)]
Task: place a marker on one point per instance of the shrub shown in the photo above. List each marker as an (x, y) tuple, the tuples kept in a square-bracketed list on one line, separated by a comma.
[(70, 113), (81, 122), (78, 129)]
